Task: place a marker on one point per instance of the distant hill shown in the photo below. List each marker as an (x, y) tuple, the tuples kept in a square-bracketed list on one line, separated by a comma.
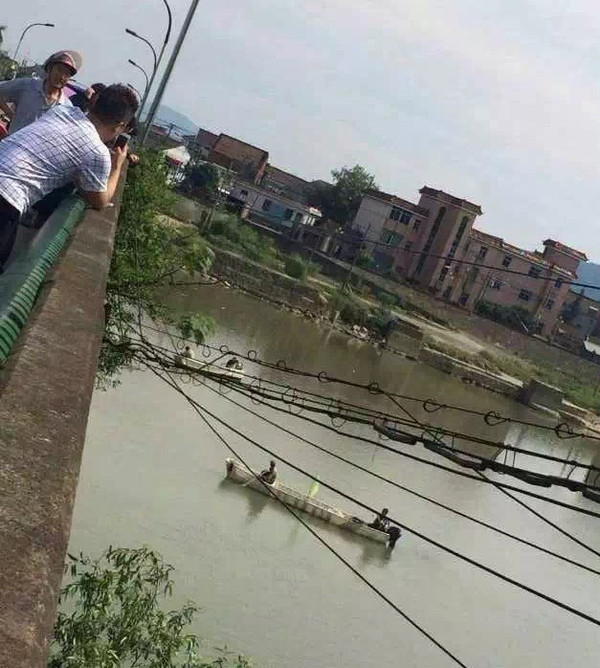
[(166, 116), (589, 272)]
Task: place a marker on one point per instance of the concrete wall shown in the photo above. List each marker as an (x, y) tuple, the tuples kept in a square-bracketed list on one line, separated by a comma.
[(267, 283), (45, 391)]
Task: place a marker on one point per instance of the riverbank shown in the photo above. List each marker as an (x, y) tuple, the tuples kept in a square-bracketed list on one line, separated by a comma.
[(358, 312)]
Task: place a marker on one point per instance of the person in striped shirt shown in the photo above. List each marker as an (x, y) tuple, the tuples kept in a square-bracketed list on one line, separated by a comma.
[(64, 145)]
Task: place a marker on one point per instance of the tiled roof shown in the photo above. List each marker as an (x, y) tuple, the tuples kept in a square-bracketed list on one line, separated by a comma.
[(451, 199), (206, 138), (285, 178), (509, 249), (396, 201), (567, 250), (236, 149)]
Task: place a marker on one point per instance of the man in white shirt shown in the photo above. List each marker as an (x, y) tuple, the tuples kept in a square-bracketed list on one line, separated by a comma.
[(33, 97), (63, 146)]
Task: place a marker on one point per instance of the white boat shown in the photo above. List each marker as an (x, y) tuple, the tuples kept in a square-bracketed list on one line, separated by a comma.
[(236, 373), (237, 472)]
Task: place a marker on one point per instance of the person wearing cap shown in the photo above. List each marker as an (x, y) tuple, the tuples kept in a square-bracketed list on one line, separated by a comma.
[(32, 97), (63, 146)]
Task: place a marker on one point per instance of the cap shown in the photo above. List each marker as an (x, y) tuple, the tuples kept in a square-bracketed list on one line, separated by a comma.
[(70, 58)]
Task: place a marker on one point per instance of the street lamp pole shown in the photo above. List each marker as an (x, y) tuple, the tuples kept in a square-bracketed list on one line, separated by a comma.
[(160, 55), (143, 39), (31, 25), (143, 71), (169, 68)]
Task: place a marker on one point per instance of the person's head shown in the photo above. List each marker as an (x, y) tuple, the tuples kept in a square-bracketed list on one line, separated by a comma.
[(272, 464), (187, 349), (60, 67), (113, 110), (384, 512)]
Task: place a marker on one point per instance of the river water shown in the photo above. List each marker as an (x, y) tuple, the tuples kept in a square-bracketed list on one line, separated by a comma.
[(153, 473)]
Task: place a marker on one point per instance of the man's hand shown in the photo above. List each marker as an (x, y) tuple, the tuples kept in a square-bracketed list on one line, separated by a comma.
[(118, 155)]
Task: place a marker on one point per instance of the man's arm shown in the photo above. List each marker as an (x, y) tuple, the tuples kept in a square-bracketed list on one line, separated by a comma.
[(99, 200)]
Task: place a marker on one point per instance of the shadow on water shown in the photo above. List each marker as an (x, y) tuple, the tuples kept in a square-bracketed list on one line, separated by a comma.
[(371, 553)]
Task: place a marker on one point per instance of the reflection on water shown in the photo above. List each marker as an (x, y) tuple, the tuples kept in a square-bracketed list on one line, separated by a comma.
[(153, 473)]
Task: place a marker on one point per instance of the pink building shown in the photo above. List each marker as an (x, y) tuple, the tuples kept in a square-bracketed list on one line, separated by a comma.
[(420, 241), (539, 284)]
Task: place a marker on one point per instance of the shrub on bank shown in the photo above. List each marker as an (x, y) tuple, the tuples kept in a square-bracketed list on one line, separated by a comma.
[(296, 267), (243, 239), (515, 317), (351, 309)]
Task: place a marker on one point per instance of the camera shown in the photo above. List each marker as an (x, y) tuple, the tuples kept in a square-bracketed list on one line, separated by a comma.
[(122, 140)]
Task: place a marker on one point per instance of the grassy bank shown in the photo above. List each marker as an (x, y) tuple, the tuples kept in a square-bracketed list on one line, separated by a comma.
[(576, 391)]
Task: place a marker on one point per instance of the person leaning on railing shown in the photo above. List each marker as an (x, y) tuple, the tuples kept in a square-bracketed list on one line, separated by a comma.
[(62, 146)]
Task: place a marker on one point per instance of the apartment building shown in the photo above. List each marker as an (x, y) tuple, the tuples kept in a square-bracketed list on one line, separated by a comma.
[(411, 240), (392, 228), (419, 242)]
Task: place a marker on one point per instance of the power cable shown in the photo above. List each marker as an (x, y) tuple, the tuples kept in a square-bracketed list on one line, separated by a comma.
[(522, 503), (491, 418), (427, 539), (323, 542), (464, 474), (403, 487)]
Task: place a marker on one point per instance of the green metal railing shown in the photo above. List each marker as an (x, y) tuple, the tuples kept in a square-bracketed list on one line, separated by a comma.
[(23, 277)]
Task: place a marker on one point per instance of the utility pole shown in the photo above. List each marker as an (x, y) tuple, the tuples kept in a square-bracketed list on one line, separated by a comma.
[(168, 70)]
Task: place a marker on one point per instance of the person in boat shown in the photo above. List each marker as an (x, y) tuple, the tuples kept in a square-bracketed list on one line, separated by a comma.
[(234, 364), (188, 352), (382, 523), (269, 475)]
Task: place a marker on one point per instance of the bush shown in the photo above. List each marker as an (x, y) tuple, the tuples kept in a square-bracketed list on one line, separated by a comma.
[(365, 261), (232, 234), (352, 311), (387, 299), (515, 317), (296, 267)]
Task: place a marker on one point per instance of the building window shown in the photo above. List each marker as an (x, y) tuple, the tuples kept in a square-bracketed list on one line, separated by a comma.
[(534, 271), (558, 283), (390, 238), (266, 205), (434, 230), (496, 284), (408, 245), (243, 194), (482, 253), (298, 218), (507, 260), (458, 238), (416, 225), (549, 304), (401, 215), (525, 295), (288, 214), (463, 299)]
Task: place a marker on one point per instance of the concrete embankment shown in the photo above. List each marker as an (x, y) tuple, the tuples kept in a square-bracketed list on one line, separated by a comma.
[(407, 339)]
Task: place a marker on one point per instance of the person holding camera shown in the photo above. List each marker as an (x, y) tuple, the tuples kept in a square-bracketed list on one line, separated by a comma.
[(64, 145)]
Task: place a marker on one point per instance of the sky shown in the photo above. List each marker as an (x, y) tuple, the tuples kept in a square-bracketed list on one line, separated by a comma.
[(497, 102)]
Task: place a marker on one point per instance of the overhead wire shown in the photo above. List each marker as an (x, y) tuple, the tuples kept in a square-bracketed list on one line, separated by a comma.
[(402, 487), (402, 525), (578, 509), (491, 418), (200, 411), (544, 519)]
